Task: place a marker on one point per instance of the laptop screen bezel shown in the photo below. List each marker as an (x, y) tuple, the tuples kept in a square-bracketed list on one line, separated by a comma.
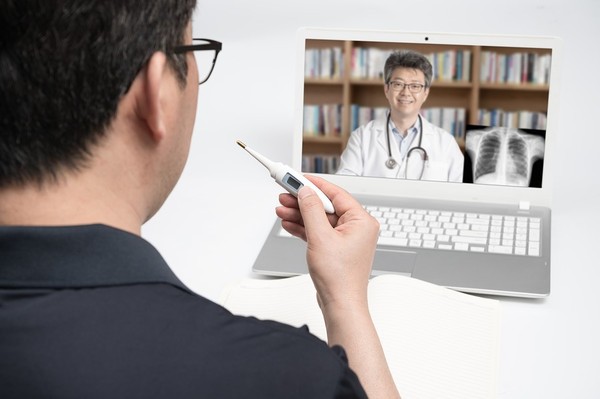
[(437, 190)]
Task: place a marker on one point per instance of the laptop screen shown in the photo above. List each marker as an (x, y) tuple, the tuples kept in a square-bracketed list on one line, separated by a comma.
[(464, 117)]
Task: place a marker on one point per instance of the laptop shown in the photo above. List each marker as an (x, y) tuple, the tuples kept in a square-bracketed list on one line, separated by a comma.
[(496, 96)]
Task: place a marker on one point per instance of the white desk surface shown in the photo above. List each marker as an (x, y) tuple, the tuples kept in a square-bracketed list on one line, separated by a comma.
[(213, 225)]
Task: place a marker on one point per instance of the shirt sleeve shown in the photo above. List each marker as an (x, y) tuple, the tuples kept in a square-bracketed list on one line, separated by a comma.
[(349, 386)]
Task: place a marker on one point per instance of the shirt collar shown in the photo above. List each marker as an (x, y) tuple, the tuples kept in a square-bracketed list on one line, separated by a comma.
[(402, 141), (79, 256)]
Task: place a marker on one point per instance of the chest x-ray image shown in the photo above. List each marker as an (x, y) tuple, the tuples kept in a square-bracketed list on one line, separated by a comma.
[(504, 156)]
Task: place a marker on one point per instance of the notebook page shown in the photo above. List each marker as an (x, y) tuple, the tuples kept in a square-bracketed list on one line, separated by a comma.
[(291, 300), (439, 343)]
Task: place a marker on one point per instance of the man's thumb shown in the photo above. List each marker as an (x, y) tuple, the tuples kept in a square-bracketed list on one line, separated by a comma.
[(312, 211)]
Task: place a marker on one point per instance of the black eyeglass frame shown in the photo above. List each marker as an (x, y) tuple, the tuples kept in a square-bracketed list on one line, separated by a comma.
[(211, 45), (408, 86)]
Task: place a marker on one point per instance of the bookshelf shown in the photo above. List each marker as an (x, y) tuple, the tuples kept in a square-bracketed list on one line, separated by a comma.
[(483, 83)]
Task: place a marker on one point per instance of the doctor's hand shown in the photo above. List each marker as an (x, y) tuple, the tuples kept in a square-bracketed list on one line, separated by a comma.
[(340, 247)]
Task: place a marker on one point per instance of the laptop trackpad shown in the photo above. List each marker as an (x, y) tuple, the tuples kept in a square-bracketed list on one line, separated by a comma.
[(394, 261)]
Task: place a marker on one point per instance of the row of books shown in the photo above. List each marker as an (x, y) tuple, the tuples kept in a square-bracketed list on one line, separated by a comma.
[(324, 63), (517, 119), (451, 65), (516, 68), (323, 120), (320, 163), (367, 63), (360, 115), (452, 120)]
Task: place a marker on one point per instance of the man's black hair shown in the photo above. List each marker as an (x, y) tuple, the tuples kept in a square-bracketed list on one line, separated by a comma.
[(64, 66)]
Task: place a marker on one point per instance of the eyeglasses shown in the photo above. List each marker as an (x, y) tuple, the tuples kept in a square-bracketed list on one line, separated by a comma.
[(206, 52), (412, 87)]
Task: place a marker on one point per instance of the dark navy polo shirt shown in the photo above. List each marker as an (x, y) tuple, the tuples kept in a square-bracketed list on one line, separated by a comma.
[(95, 312)]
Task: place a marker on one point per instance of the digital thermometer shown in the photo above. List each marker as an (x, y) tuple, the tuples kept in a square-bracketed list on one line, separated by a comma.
[(288, 178)]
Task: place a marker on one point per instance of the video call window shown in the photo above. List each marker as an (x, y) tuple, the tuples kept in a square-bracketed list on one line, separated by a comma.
[(491, 101)]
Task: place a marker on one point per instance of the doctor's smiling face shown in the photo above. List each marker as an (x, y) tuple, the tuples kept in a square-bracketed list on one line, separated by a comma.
[(406, 92)]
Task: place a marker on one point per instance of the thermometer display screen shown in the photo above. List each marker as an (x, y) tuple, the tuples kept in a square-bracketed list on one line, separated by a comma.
[(292, 182)]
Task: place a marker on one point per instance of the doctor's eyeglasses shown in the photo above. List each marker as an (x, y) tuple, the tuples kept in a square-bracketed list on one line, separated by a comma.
[(206, 52), (396, 85)]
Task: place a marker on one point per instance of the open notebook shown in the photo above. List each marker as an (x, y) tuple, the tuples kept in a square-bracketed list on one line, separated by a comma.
[(479, 223)]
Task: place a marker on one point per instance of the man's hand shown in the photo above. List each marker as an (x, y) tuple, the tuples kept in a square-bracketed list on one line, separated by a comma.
[(340, 247), (340, 251)]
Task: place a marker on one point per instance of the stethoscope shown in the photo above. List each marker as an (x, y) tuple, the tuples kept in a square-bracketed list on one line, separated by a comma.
[(391, 163)]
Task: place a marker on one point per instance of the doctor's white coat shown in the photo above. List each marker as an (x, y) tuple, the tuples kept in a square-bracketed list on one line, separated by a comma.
[(367, 151)]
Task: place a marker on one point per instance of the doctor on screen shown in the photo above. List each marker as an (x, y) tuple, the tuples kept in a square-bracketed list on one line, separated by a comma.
[(403, 144)]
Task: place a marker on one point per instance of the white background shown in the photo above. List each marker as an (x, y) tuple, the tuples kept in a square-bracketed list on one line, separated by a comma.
[(212, 227)]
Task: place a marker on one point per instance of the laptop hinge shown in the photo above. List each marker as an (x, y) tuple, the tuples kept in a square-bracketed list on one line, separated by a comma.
[(524, 205)]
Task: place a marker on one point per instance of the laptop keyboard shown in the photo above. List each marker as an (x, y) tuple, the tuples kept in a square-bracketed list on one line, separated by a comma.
[(457, 231)]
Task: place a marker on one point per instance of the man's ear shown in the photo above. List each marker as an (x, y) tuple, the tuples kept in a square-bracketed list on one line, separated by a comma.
[(154, 78)]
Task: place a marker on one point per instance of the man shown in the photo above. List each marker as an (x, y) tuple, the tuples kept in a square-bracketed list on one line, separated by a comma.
[(403, 144), (98, 102)]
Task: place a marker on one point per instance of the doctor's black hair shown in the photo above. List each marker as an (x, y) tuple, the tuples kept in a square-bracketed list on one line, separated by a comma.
[(408, 59), (64, 66)]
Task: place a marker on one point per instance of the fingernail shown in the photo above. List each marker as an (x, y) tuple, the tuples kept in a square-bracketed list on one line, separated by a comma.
[(305, 192)]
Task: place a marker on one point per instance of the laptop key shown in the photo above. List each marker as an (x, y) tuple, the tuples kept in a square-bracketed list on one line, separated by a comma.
[(500, 249), (395, 241)]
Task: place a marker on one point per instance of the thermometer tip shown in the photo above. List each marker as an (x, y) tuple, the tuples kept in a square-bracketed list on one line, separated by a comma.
[(241, 144)]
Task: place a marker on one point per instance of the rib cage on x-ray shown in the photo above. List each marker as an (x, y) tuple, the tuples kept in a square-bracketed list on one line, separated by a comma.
[(502, 155)]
